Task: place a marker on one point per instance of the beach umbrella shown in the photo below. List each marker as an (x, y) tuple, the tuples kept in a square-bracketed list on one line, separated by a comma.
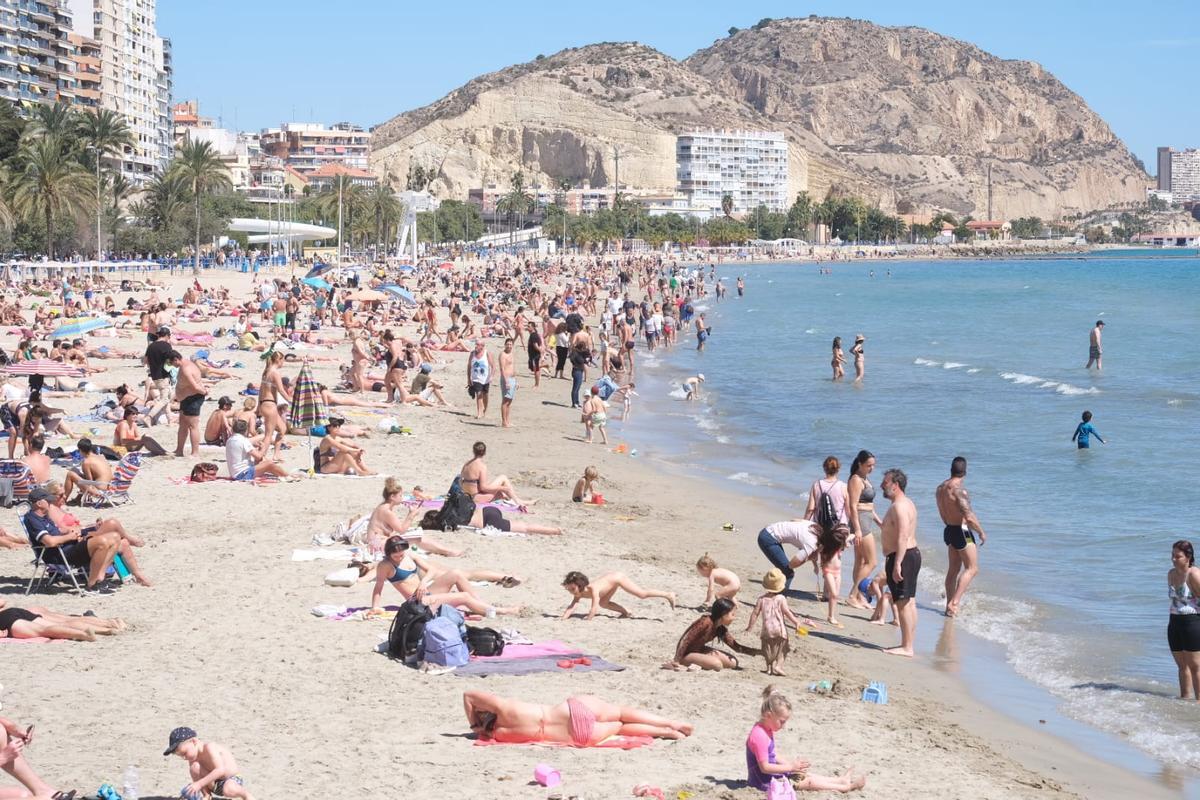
[(446, 265), (308, 409), (366, 296), (400, 292), (81, 326), (44, 367), (407, 268), (317, 283), (319, 269)]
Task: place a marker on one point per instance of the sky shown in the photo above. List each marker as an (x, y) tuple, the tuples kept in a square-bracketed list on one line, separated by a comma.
[(257, 63)]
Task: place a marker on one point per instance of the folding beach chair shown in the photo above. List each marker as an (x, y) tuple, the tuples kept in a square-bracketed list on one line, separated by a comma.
[(116, 493), (48, 569), (16, 482)]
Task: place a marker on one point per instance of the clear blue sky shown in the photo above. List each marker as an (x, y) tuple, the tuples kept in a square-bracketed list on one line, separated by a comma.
[(257, 63)]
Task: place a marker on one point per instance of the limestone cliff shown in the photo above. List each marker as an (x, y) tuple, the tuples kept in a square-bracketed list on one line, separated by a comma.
[(888, 113)]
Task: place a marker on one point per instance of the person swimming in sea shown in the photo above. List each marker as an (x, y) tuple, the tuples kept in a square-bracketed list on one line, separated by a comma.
[(1084, 431)]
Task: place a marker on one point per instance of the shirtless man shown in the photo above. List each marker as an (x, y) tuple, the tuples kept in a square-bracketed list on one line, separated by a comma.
[(508, 383), (1095, 349), (37, 461), (94, 468), (360, 357), (217, 428), (581, 721), (692, 386), (954, 506), (902, 561), (190, 393)]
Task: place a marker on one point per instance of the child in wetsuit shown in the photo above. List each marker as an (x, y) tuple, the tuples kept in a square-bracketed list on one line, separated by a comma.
[(1084, 431)]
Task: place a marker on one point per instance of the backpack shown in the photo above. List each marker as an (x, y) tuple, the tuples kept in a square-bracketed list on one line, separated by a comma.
[(443, 644), (204, 472), (484, 641), (826, 516), (456, 511), (408, 629)]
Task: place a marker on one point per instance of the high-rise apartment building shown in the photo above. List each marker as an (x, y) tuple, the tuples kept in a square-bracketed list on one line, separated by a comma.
[(1185, 175), (1164, 169), (306, 146), (135, 79), (749, 166), (84, 55), (32, 42)]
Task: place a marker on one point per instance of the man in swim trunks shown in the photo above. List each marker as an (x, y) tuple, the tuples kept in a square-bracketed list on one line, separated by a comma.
[(190, 392), (902, 561), (582, 721), (508, 383), (1095, 349), (954, 506)]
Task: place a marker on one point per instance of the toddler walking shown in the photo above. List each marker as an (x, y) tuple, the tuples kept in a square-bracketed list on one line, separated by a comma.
[(773, 608)]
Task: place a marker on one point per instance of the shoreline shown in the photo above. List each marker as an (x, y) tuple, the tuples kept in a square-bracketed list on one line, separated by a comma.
[(225, 643)]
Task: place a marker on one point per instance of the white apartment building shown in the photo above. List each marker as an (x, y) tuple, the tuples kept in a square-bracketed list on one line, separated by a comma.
[(135, 79), (307, 146), (749, 166), (1185, 175)]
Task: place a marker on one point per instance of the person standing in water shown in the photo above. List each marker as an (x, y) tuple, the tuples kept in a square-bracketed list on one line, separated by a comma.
[(902, 557), (1084, 431), (702, 332), (1095, 349), (954, 506), (839, 359), (741, 286), (860, 367), (1183, 630)]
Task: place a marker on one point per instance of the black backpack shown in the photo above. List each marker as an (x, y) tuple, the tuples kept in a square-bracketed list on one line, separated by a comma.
[(826, 515), (484, 641), (456, 511), (408, 631)]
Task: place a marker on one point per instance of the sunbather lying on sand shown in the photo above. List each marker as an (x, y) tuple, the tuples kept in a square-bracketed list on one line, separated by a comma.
[(490, 517), (35, 621), (402, 569), (581, 721)]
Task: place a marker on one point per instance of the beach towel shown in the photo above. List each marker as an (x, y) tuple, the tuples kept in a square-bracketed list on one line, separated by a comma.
[(550, 647), (186, 480), (499, 665), (324, 555), (614, 742), (34, 640)]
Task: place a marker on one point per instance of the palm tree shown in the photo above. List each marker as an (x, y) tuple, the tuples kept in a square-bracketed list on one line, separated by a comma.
[(118, 190), (48, 182), (340, 200), (517, 201), (385, 208), (167, 197), (727, 205), (58, 120), (105, 133), (202, 169)]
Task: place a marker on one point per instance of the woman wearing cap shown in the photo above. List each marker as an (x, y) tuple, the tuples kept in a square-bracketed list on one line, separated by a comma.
[(857, 351)]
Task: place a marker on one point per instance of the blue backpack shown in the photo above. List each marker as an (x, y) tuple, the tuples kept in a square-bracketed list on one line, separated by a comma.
[(444, 644)]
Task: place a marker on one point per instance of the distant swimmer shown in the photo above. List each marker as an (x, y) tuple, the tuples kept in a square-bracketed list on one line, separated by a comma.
[(902, 557), (692, 386), (1095, 349), (860, 367), (741, 287), (1084, 431), (962, 526)]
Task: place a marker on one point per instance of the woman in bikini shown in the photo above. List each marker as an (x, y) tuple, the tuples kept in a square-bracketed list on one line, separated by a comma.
[(360, 357), (414, 577), (582, 721), (473, 478), (385, 522), (336, 455), (35, 621), (270, 389)]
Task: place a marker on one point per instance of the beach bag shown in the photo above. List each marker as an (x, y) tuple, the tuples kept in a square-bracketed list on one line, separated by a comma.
[(780, 788), (204, 472), (456, 511), (826, 515), (484, 641), (443, 644), (408, 630)]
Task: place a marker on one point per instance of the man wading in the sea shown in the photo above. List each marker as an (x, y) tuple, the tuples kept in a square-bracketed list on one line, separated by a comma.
[(954, 506)]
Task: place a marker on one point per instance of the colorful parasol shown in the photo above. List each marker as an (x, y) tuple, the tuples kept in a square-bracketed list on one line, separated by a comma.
[(45, 367), (308, 409), (80, 327)]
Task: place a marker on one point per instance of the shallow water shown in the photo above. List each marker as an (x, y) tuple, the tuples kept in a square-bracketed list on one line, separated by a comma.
[(983, 359)]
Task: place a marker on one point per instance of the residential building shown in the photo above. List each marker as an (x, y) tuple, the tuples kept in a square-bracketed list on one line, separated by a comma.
[(580, 200), (990, 229), (306, 146), (751, 167), (1185, 175), (271, 178), (32, 39), (84, 55), (185, 117), (324, 176)]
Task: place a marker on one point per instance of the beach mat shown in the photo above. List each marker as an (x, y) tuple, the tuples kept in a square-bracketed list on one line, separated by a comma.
[(612, 742), (483, 667)]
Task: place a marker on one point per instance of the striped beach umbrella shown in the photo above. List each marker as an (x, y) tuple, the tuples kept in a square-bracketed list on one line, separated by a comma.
[(308, 409), (80, 327), (45, 367)]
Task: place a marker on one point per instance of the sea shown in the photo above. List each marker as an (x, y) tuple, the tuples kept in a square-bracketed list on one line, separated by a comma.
[(983, 359)]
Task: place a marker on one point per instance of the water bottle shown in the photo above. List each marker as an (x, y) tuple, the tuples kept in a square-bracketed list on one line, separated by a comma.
[(130, 783)]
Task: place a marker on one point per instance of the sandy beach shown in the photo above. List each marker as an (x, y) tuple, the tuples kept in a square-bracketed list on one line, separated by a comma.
[(225, 641)]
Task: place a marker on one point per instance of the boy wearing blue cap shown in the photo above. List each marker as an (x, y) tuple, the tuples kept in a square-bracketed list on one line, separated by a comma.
[(211, 766)]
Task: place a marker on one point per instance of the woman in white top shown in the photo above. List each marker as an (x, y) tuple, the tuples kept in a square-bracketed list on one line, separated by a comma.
[(835, 490), (800, 534)]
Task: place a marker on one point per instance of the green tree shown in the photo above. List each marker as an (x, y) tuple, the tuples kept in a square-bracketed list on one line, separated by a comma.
[(1028, 228), (517, 202), (48, 182), (799, 217), (58, 120), (12, 126), (727, 205), (103, 134), (385, 209), (201, 168)]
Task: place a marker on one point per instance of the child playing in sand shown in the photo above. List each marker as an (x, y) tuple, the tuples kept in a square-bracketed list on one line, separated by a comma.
[(721, 582), (585, 487), (1084, 431), (773, 607), (600, 592), (213, 770), (763, 766)]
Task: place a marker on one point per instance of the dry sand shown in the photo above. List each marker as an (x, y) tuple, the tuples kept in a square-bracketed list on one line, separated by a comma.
[(225, 641)]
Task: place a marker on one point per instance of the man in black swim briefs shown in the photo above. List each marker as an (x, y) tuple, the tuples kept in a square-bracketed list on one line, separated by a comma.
[(190, 392), (962, 526)]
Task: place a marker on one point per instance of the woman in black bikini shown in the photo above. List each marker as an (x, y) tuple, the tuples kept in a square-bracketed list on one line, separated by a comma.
[(336, 455), (270, 389), (35, 621)]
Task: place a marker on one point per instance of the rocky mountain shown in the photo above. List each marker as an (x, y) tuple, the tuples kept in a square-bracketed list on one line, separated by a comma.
[(897, 115)]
